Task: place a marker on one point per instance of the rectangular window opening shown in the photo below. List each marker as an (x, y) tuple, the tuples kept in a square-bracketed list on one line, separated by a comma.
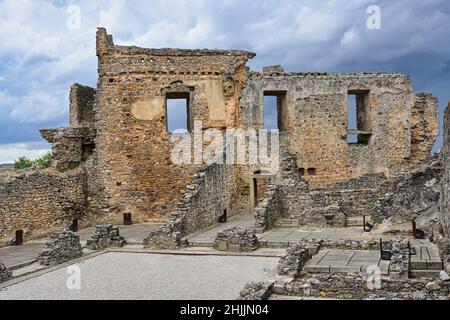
[(178, 113), (358, 113), (274, 110)]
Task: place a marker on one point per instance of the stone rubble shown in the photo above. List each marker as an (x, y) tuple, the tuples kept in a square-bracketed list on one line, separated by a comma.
[(104, 236), (256, 291), (63, 246), (236, 239), (5, 274), (292, 263), (362, 287)]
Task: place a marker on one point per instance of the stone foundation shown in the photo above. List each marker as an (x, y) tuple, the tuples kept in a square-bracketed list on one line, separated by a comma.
[(355, 286)]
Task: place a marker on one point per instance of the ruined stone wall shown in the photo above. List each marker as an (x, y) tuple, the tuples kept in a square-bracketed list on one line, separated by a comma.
[(413, 193), (81, 111), (211, 192), (268, 210), (444, 202), (133, 145), (405, 195), (424, 126), (314, 115), (39, 201), (69, 145)]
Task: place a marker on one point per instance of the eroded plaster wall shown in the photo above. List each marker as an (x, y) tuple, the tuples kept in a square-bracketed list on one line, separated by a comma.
[(133, 146)]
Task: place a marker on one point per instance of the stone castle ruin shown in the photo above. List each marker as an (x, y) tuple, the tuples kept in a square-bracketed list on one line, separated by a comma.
[(115, 155)]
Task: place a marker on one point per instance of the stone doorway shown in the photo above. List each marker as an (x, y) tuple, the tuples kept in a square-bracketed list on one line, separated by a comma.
[(259, 181)]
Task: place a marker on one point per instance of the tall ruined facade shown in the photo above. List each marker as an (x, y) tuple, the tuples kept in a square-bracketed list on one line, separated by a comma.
[(118, 142)]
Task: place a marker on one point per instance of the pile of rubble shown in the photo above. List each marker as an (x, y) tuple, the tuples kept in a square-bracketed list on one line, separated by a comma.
[(104, 236), (62, 247), (256, 291), (5, 274)]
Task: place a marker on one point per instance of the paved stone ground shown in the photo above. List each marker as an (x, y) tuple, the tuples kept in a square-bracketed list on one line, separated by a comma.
[(205, 238), (26, 253), (134, 234), (19, 255), (338, 260), (283, 237), (122, 275)]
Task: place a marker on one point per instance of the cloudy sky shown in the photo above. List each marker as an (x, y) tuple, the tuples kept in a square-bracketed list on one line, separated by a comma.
[(44, 48)]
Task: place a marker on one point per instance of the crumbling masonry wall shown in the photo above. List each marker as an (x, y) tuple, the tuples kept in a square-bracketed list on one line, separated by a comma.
[(118, 134), (133, 145), (403, 196), (41, 201), (208, 197), (444, 201), (399, 128)]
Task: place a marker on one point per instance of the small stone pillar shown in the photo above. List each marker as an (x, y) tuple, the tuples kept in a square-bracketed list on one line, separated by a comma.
[(62, 247)]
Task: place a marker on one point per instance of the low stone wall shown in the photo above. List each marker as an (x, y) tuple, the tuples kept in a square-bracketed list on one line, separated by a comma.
[(5, 274), (268, 210), (236, 239), (355, 286), (205, 200), (39, 201), (62, 247), (104, 236), (404, 196)]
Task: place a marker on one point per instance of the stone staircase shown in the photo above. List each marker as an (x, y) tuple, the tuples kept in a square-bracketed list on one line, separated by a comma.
[(287, 223), (425, 262), (357, 221)]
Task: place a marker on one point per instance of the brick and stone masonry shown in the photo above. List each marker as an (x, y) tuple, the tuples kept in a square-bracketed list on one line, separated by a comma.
[(116, 152)]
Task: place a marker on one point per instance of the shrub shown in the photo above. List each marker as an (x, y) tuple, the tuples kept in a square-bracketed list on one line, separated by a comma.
[(42, 162), (23, 163), (45, 161)]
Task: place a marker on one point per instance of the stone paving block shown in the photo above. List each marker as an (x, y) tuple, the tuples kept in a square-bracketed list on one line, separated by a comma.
[(424, 273), (277, 244), (418, 265), (384, 266), (434, 265), (316, 268), (344, 269)]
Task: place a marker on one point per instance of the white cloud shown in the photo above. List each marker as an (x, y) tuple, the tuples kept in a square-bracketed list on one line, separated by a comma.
[(40, 57), (12, 151)]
